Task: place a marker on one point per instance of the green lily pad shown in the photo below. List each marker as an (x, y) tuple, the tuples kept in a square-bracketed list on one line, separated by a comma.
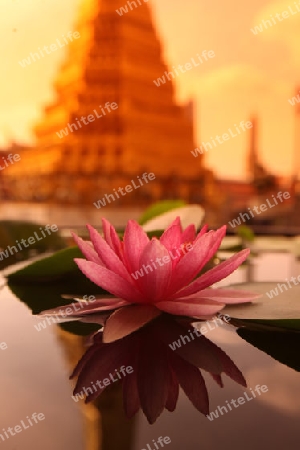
[(159, 208), (12, 233), (50, 268), (284, 307), (189, 214)]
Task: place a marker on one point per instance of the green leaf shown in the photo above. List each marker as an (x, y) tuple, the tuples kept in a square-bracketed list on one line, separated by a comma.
[(292, 325), (189, 214), (282, 346), (48, 294), (245, 233), (12, 231), (284, 307), (160, 208), (49, 268), (233, 248), (155, 233)]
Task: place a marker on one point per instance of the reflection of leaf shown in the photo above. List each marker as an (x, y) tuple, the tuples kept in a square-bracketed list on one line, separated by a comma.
[(41, 285), (159, 208), (46, 295), (270, 324), (79, 328), (282, 346)]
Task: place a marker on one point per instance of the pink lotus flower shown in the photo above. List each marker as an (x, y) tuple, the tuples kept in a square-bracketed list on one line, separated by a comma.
[(148, 279), (158, 371)]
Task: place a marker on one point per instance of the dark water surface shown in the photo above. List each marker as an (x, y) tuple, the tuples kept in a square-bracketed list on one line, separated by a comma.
[(34, 378)]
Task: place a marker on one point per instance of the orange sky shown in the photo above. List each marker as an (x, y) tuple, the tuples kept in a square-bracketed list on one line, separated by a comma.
[(249, 74)]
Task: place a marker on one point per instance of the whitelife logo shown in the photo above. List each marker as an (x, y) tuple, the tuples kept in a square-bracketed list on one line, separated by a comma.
[(3, 346), (241, 401), (161, 441), (25, 424), (106, 382), (31, 240), (279, 17), (87, 119), (242, 127), (9, 160), (69, 310), (274, 292), (132, 5), (205, 56), (294, 100), (259, 209), (211, 324), (129, 188), (47, 50), (184, 248)]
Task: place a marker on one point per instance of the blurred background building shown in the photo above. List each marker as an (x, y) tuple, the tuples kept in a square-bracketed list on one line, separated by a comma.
[(261, 186), (116, 60)]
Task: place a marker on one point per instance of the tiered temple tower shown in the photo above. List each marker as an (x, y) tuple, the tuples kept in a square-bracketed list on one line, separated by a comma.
[(116, 59), (253, 151), (263, 181), (297, 138)]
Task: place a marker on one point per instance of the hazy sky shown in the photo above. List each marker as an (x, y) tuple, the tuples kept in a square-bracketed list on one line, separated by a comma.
[(249, 74)]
